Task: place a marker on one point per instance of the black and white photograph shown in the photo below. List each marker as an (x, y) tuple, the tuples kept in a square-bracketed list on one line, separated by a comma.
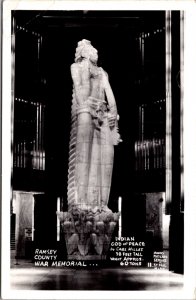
[(94, 153)]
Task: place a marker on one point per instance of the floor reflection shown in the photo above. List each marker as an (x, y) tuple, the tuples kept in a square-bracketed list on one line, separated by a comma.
[(31, 278)]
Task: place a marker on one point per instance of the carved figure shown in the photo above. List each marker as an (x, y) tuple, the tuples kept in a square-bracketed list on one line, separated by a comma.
[(89, 223), (94, 131)]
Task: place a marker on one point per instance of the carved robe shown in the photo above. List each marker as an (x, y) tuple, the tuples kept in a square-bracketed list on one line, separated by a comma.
[(91, 148)]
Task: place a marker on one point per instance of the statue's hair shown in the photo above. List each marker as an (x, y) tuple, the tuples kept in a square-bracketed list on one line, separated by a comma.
[(82, 45)]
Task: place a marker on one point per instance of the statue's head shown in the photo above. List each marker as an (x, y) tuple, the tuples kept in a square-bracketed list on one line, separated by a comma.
[(86, 50)]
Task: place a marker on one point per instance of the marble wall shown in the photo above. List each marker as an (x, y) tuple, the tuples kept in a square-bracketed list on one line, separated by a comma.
[(24, 204), (156, 222)]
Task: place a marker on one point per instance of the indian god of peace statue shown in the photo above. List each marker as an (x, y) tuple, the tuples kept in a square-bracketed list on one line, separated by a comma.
[(94, 132)]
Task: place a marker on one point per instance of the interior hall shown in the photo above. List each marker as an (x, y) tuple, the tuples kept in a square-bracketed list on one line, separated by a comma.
[(142, 54)]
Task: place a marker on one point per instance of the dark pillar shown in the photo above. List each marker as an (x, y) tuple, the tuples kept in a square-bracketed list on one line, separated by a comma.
[(176, 262)]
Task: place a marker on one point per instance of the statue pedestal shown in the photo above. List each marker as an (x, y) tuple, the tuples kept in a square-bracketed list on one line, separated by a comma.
[(88, 231)]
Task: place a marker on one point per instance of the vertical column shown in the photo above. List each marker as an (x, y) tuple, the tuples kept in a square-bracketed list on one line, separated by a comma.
[(177, 218), (33, 218), (142, 47), (58, 220), (37, 136), (168, 137), (13, 40), (40, 135), (182, 107)]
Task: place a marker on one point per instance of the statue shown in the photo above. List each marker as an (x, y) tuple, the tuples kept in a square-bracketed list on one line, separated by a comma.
[(89, 223)]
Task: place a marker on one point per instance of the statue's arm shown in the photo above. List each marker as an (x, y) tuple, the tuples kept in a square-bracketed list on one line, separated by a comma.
[(81, 81), (111, 100)]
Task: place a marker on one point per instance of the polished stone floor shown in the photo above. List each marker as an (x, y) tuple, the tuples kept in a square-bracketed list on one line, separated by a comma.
[(26, 276)]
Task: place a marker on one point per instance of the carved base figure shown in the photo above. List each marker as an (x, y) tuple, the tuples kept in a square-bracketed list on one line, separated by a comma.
[(88, 232)]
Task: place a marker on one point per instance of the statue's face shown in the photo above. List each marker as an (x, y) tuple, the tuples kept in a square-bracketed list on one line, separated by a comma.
[(90, 53), (93, 55)]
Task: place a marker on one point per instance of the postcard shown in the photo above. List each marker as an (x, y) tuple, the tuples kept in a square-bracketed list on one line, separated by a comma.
[(98, 150)]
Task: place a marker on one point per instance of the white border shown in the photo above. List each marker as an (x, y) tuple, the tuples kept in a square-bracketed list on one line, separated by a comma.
[(189, 145)]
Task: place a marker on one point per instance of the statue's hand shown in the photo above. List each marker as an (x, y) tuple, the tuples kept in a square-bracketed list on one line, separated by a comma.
[(111, 121), (113, 124)]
